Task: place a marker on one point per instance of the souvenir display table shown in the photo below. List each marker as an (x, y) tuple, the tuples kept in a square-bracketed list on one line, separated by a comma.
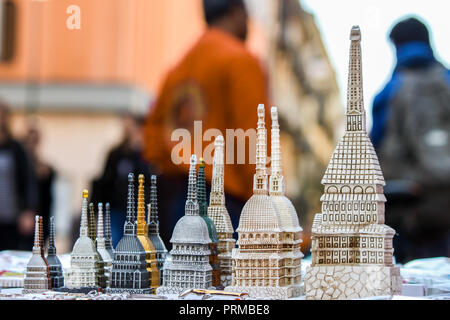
[(423, 279)]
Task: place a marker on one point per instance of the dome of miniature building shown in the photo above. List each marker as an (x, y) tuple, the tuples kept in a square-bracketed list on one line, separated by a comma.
[(259, 214), (288, 215), (36, 261), (191, 229), (84, 246), (129, 244)]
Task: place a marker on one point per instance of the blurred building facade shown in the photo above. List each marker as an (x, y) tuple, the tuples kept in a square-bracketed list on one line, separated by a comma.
[(73, 82)]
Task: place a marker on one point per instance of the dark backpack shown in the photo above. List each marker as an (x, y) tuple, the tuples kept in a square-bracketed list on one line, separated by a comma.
[(417, 145)]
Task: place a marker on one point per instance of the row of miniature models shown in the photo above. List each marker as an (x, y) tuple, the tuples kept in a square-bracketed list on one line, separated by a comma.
[(140, 253), (43, 273), (268, 258), (203, 239), (351, 246)]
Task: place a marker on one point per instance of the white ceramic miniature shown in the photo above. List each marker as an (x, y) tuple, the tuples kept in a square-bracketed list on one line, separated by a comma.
[(351, 246), (267, 262), (37, 272)]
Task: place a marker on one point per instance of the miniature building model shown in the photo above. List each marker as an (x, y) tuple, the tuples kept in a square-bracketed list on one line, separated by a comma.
[(92, 226), (267, 262), (153, 229), (142, 234), (86, 265), (105, 252), (203, 212), (37, 272), (188, 264), (108, 235), (291, 236), (55, 266), (351, 246), (129, 272), (219, 214)]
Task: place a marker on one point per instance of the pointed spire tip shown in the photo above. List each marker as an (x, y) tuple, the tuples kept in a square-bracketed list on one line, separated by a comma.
[(355, 33), (261, 110), (274, 113)]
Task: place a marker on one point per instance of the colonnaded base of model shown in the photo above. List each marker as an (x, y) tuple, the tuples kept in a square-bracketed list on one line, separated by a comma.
[(351, 282), (130, 291)]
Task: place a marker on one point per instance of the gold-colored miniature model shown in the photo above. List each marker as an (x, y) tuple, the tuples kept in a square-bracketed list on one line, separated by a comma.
[(86, 265), (351, 246), (219, 214), (142, 234), (267, 261), (37, 277)]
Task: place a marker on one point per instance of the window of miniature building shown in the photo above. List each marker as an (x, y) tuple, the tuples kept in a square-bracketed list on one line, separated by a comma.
[(331, 217)]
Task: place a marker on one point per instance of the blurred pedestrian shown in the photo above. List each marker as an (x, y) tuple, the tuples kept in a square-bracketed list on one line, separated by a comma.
[(18, 190), (124, 158), (411, 132), (45, 175), (218, 82)]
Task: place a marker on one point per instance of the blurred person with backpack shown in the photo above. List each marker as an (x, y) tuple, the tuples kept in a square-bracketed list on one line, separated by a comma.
[(411, 133)]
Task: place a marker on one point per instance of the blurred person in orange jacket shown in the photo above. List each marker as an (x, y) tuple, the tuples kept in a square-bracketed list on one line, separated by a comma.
[(220, 83)]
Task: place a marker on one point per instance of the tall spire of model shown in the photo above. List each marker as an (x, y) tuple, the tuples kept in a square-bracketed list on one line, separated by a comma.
[(142, 234), (260, 176), (108, 234), (153, 228), (288, 215), (86, 265), (56, 271), (351, 246), (259, 261), (92, 226), (106, 254), (219, 214)]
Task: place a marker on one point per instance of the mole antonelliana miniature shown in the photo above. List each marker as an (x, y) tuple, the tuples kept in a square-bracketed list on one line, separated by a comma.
[(188, 265), (203, 212), (351, 246), (37, 276), (267, 260), (142, 234), (218, 213), (153, 229), (129, 268), (86, 271)]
